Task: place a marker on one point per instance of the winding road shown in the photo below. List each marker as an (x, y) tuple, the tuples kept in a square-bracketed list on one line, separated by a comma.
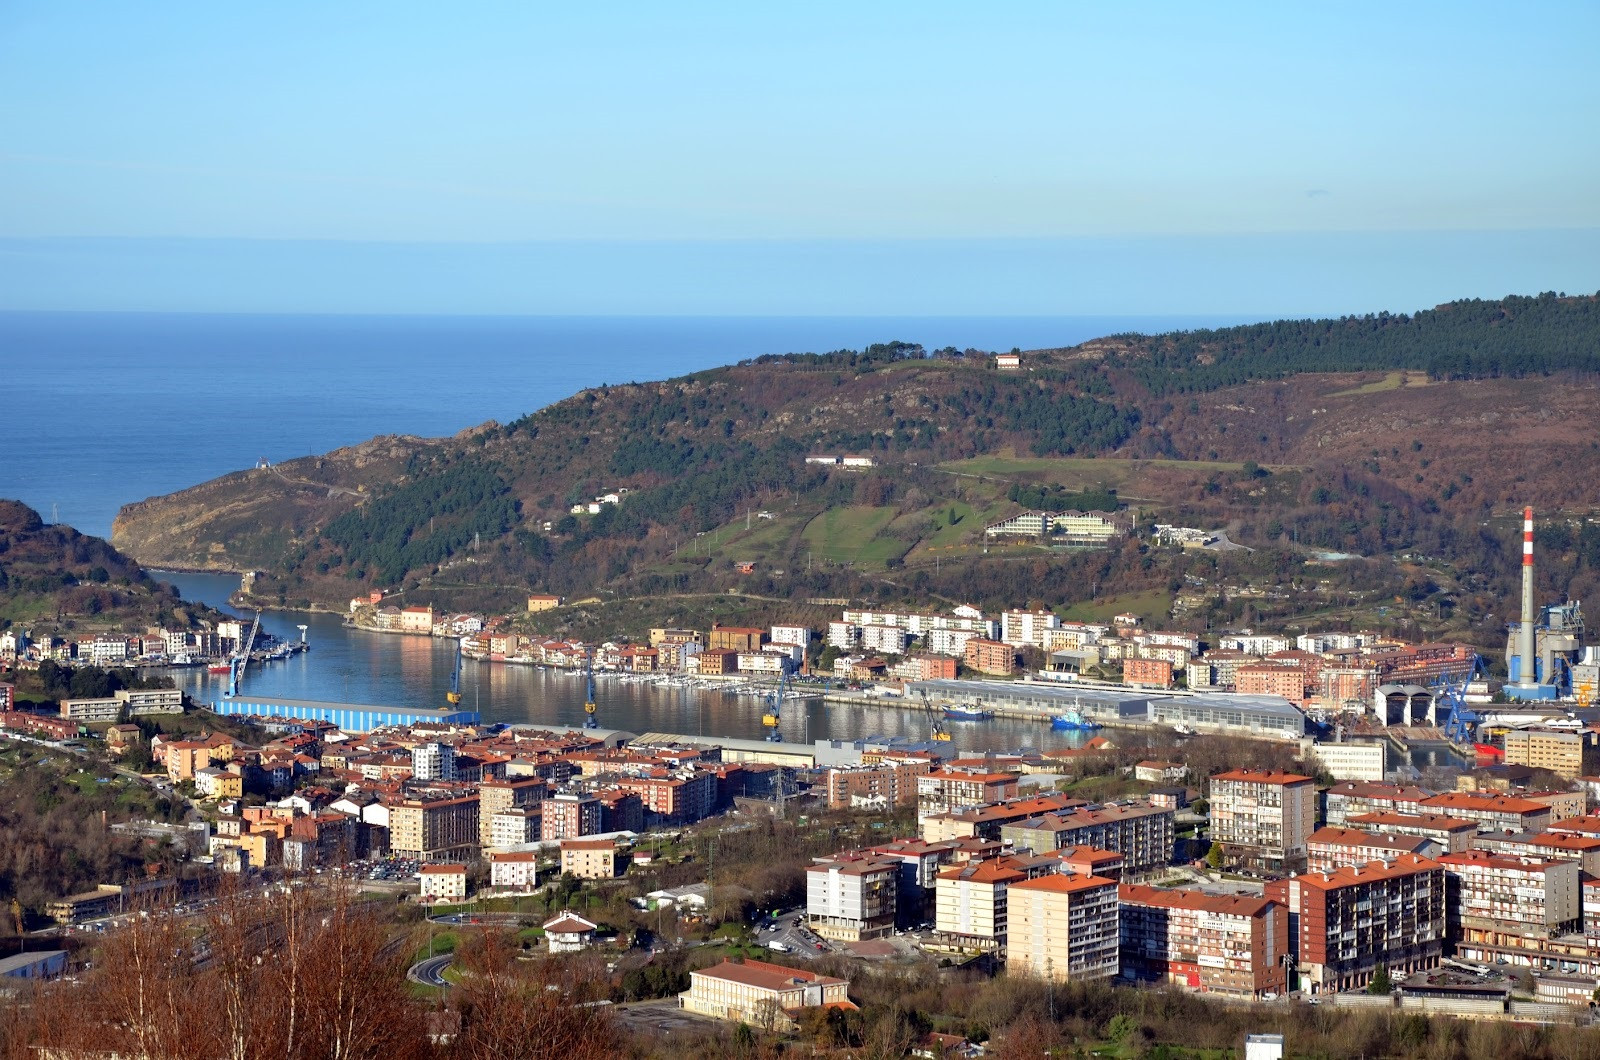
[(430, 972)]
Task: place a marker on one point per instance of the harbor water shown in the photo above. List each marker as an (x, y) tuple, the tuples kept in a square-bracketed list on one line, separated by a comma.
[(356, 666)]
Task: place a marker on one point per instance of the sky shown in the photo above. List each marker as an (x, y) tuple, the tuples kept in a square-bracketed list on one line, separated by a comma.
[(818, 158)]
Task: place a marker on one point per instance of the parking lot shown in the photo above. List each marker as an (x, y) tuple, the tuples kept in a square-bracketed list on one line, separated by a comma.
[(659, 1017), (789, 931)]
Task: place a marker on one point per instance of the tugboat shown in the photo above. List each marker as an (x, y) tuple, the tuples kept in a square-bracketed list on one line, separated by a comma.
[(1073, 720), (959, 713)]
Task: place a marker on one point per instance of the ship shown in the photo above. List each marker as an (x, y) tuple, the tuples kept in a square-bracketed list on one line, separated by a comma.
[(1073, 719), (956, 713), (220, 668)]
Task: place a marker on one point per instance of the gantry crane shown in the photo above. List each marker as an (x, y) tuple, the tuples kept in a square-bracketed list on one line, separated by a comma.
[(589, 705)]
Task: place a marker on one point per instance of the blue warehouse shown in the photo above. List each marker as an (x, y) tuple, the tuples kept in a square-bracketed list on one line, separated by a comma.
[(351, 717)]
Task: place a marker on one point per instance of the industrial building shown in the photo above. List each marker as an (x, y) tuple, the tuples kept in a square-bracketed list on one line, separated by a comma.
[(349, 717)]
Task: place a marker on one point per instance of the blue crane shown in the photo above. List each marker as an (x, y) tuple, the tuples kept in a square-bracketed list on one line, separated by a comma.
[(589, 706), (774, 716), (241, 658), (454, 695)]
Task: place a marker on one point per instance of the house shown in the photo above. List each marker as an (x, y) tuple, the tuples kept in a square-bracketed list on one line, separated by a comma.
[(766, 996), (1008, 362), (444, 883), (542, 602), (416, 620), (569, 933)]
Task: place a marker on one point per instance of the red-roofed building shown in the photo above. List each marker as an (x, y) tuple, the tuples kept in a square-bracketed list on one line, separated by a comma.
[(765, 996), (1263, 818), (1337, 935), (1336, 848), (1225, 944), (953, 790), (1062, 927), (1497, 813)]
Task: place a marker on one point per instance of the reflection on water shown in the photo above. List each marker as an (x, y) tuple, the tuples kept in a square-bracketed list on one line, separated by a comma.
[(355, 666)]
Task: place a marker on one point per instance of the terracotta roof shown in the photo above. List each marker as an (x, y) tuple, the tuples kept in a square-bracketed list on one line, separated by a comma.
[(1169, 898), (1589, 825), (766, 976), (1063, 883), (567, 924), (588, 844), (1394, 869), (1350, 837), (1497, 861), (444, 869), (1467, 800), (1263, 776), (1436, 821), (992, 870)]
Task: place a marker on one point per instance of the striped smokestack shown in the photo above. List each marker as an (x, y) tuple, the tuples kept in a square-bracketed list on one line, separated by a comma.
[(1528, 674)]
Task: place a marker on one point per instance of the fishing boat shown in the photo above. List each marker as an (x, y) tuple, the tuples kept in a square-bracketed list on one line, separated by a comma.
[(955, 713), (219, 668), (1073, 720)]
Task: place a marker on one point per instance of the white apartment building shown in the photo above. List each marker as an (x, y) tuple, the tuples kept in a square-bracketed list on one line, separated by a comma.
[(843, 634), (515, 826), (771, 663), (1019, 628), (1351, 761), (1074, 636), (433, 761), (1254, 643), (516, 870), (852, 897), (1321, 643), (949, 641), (964, 618), (799, 636), (444, 882), (889, 640)]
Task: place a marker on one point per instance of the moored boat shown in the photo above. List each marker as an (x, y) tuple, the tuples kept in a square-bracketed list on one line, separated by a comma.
[(1073, 719), (956, 713)]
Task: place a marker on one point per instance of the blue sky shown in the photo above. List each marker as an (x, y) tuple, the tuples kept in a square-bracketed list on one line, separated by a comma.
[(216, 156)]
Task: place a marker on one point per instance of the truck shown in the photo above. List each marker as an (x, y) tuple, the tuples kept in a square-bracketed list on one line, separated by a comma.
[(774, 944)]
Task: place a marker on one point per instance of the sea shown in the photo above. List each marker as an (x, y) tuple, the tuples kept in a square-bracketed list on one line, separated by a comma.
[(105, 409)]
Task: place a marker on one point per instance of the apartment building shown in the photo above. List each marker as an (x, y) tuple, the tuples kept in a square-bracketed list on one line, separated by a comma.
[(1147, 673), (514, 870), (875, 787), (589, 859), (949, 641), (1494, 813), (1222, 944), (1142, 834), (1451, 833), (434, 829), (1552, 846), (989, 656), (1330, 849), (1263, 818), (673, 798), (495, 796), (922, 666), (765, 996), (887, 640), (567, 815), (970, 902), (852, 897), (1570, 754), (1063, 927), (433, 761), (144, 702), (735, 638), (1345, 925), (514, 826), (108, 708), (1350, 798), (919, 865), (1497, 898), (986, 822), (444, 883), (953, 790), (1027, 628)]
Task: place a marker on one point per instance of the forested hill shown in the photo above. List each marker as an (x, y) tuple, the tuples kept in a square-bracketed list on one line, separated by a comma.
[(1473, 339), (54, 579), (1388, 433)]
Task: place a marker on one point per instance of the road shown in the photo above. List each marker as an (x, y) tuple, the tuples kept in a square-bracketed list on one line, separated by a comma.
[(792, 933), (430, 972)]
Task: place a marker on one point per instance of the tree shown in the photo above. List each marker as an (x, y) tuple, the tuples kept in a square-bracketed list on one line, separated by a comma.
[(1214, 856), (1381, 983)]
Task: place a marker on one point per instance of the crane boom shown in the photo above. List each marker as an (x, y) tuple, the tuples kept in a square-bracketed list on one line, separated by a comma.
[(454, 695), (241, 658), (589, 705)]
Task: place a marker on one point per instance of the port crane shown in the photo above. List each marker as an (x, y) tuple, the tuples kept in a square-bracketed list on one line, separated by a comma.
[(453, 696), (589, 705), (1461, 724), (774, 716), (241, 658), (935, 722)]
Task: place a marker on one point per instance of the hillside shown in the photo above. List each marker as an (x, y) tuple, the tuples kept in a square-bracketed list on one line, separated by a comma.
[(1381, 435), (52, 578)]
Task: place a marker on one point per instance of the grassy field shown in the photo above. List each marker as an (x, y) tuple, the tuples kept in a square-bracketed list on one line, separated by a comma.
[(1390, 381), (1153, 607), (852, 535)]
